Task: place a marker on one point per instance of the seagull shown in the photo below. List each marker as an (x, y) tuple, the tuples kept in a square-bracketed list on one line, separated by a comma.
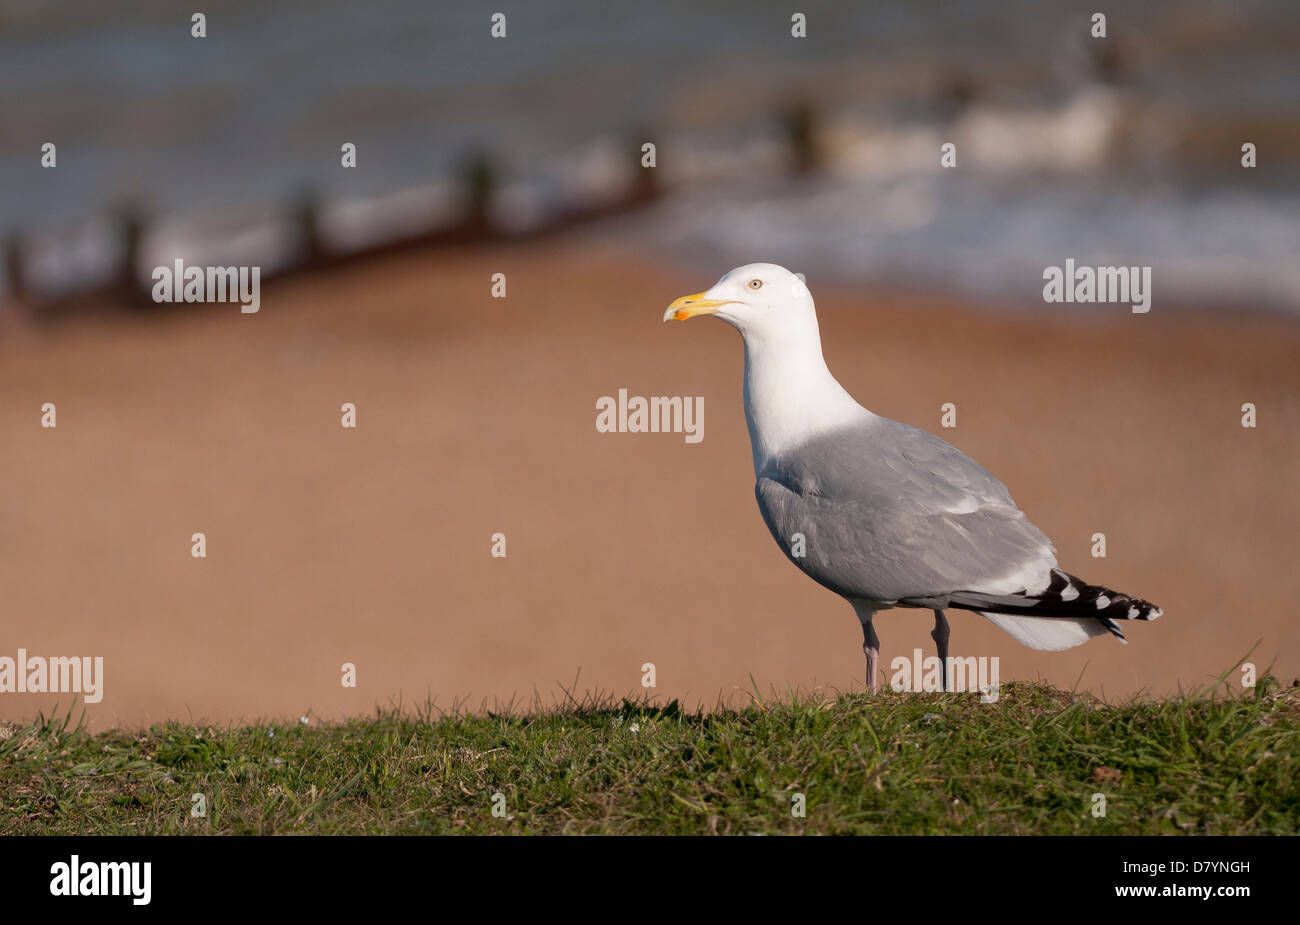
[(882, 513)]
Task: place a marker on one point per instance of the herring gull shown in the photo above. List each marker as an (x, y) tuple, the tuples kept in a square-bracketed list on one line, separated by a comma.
[(882, 513)]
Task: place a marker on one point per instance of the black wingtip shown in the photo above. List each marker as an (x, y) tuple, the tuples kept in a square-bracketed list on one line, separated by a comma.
[(1066, 597), (1113, 627)]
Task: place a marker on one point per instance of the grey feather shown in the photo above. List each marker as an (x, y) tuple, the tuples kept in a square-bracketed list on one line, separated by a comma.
[(891, 513)]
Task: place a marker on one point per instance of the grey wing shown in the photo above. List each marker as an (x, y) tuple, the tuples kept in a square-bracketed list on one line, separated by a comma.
[(887, 512)]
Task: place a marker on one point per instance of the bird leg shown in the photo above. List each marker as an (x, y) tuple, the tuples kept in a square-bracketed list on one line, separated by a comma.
[(940, 636), (871, 648)]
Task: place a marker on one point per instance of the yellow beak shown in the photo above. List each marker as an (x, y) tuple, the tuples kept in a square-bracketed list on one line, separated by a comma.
[(688, 306)]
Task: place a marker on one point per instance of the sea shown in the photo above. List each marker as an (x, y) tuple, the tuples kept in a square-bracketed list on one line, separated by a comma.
[(806, 132)]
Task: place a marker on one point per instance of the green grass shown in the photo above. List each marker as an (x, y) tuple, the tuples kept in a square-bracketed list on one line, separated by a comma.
[(894, 763)]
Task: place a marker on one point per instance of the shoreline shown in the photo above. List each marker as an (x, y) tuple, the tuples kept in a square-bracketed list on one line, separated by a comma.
[(477, 416)]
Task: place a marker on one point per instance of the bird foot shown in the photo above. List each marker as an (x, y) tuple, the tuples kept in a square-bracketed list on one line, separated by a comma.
[(873, 656)]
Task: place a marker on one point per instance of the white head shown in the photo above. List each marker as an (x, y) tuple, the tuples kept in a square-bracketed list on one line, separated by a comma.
[(763, 301), (790, 395)]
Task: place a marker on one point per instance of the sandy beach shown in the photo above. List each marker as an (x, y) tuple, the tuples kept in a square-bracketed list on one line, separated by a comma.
[(476, 416)]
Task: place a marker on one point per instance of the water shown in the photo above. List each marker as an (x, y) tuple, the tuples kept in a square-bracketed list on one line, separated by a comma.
[(1126, 157)]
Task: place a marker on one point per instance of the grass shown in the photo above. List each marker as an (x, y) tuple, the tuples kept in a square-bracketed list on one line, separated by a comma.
[(890, 764)]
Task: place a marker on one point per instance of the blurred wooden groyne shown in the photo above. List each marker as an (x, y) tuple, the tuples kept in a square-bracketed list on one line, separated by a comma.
[(311, 231), (296, 234)]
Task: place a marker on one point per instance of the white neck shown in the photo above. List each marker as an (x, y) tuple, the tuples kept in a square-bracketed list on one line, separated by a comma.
[(790, 395)]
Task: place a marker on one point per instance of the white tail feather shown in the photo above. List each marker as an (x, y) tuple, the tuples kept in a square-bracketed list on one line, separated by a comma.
[(1051, 634)]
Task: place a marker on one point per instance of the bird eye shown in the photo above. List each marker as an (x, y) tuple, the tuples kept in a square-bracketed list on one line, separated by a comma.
[(755, 284)]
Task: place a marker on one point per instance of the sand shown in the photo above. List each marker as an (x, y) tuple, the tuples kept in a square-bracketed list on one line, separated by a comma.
[(477, 416)]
